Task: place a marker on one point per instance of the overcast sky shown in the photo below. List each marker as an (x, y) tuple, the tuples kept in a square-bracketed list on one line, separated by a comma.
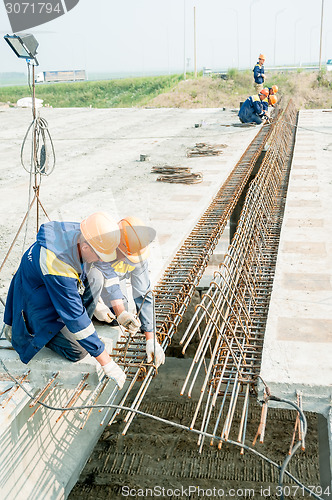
[(144, 36)]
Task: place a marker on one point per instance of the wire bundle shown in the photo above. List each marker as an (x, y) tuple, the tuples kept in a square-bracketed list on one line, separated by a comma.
[(203, 149), (179, 175)]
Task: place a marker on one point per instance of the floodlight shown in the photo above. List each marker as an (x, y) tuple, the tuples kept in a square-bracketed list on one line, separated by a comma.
[(24, 45)]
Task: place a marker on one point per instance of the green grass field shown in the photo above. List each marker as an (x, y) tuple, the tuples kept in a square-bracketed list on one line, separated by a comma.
[(120, 93), (307, 89)]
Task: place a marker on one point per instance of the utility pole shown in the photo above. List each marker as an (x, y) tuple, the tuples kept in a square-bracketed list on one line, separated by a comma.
[(184, 40), (195, 46), (321, 36)]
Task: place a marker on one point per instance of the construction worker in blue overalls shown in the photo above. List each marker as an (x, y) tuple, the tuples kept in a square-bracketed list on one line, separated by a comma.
[(259, 75), (252, 110), (54, 293)]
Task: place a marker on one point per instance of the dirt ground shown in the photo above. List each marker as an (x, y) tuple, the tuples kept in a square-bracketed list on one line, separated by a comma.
[(153, 454), (208, 92)]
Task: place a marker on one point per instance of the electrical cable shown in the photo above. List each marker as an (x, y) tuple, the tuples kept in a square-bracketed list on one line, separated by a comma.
[(180, 426), (297, 445), (40, 135), (305, 128)]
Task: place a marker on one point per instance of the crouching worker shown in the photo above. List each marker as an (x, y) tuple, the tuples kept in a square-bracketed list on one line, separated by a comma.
[(131, 265), (252, 110), (48, 303)]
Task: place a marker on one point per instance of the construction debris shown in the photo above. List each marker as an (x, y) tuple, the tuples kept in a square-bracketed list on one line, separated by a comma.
[(202, 149), (167, 169), (177, 174), (182, 178)]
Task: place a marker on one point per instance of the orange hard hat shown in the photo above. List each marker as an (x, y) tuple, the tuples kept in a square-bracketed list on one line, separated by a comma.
[(273, 100), (102, 233), (261, 56), (275, 88), (135, 238), (265, 92)]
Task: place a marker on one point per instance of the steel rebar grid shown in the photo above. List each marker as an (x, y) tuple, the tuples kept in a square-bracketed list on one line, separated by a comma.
[(244, 279), (188, 265)]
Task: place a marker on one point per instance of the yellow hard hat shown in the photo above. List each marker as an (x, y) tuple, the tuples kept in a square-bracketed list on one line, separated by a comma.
[(102, 233), (261, 56), (135, 239)]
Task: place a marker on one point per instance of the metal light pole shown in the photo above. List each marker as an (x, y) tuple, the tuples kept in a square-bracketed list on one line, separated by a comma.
[(297, 20), (184, 40), (237, 36), (275, 35), (252, 3), (311, 30), (195, 45), (321, 36)]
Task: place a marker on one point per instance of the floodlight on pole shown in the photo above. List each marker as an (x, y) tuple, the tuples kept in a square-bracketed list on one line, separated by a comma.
[(24, 45)]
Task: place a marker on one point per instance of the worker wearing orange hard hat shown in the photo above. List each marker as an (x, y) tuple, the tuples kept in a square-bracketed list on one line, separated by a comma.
[(273, 100), (273, 89), (270, 100), (253, 108), (259, 73), (50, 300), (131, 265)]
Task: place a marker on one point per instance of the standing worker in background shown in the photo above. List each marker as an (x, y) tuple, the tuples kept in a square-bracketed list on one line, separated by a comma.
[(259, 75), (50, 303), (131, 263), (252, 110)]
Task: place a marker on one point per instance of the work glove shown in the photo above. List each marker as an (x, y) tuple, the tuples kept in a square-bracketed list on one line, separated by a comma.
[(103, 313), (129, 321), (113, 371), (155, 352), (7, 332)]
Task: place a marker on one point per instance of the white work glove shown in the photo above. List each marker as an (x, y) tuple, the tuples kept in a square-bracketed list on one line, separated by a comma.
[(7, 332), (155, 352), (103, 313), (129, 321), (113, 371)]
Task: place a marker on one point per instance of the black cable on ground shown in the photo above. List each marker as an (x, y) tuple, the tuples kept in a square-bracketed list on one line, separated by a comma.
[(282, 469)]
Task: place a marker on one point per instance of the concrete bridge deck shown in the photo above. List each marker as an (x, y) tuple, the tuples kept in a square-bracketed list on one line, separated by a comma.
[(98, 168), (297, 354)]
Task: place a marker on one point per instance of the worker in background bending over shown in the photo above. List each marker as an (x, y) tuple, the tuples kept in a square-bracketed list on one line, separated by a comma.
[(131, 263), (252, 110), (273, 90), (270, 100), (50, 300), (259, 75)]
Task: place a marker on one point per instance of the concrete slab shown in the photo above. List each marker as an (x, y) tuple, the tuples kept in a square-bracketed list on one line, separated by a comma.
[(298, 340), (98, 168)]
